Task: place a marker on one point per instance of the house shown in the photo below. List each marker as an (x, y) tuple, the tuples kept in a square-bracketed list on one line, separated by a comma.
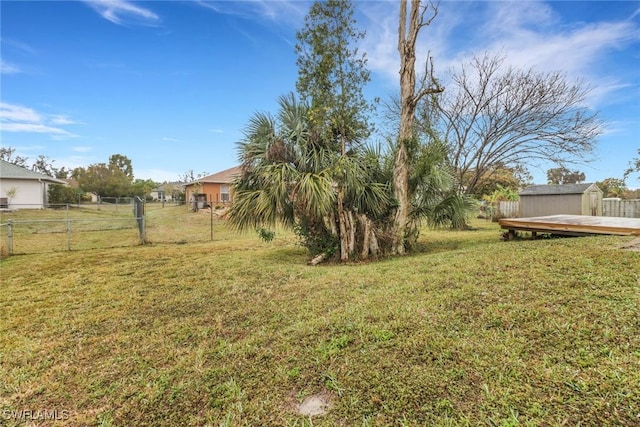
[(568, 199), (212, 190), (169, 191), (22, 188), (83, 196)]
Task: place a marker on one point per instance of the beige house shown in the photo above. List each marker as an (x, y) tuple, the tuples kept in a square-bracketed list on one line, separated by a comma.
[(22, 188)]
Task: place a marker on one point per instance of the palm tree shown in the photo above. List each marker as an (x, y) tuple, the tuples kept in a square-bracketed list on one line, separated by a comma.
[(340, 204), (292, 176)]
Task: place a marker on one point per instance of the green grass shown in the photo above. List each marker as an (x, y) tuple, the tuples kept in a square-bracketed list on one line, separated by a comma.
[(468, 331)]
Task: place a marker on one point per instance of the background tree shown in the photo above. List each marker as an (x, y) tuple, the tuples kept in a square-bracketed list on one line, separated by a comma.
[(408, 30), (142, 188), (62, 194), (497, 115), (563, 175), (634, 166), (7, 154), (45, 166), (106, 180), (631, 194), (612, 187), (190, 176), (309, 169), (122, 163), (332, 74), (289, 177), (504, 177)]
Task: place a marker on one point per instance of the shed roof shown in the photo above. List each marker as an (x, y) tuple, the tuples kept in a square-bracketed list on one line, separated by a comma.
[(223, 177), (556, 189), (11, 171)]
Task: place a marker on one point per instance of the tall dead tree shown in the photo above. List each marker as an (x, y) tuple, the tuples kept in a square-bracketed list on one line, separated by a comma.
[(408, 31)]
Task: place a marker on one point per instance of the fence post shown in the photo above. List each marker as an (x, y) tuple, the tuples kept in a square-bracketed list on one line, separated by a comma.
[(10, 236), (144, 229), (211, 220), (68, 229), (138, 205)]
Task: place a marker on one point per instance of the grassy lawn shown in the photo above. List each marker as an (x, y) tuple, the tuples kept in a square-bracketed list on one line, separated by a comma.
[(468, 331)]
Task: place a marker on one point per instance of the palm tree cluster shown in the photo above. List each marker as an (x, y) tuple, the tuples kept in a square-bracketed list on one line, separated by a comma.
[(339, 203)]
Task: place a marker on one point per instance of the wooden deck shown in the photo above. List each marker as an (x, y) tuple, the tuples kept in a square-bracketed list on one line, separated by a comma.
[(574, 225)]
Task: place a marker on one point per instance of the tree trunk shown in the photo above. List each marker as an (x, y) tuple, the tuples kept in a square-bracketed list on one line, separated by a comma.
[(406, 48), (345, 226), (409, 99), (369, 240), (366, 236)]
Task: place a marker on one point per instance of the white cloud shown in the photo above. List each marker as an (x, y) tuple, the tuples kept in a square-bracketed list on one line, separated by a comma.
[(16, 118), (33, 128), (7, 68), (528, 34), (170, 139), (216, 130), (122, 12), (9, 112), (18, 45), (286, 12), (81, 149), (61, 119), (572, 51)]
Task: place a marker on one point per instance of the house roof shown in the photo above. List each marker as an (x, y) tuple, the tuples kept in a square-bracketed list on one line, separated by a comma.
[(223, 177), (535, 190), (11, 171), (174, 184)]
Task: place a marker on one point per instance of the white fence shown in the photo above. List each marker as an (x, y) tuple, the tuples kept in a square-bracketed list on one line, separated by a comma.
[(509, 209), (621, 208)]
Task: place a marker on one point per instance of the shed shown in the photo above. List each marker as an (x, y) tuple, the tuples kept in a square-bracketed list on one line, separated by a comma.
[(21, 188), (567, 199)]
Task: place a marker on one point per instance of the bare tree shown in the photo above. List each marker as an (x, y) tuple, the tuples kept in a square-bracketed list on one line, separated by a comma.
[(634, 166), (408, 31), (6, 154), (514, 117)]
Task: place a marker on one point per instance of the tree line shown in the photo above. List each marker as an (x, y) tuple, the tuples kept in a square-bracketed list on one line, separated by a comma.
[(112, 179)]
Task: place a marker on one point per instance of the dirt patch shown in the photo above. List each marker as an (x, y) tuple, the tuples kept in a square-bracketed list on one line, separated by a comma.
[(633, 245), (314, 405)]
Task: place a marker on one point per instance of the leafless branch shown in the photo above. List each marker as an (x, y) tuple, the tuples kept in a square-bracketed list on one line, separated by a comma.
[(514, 117)]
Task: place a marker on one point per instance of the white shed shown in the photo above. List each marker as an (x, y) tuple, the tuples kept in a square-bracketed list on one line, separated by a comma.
[(568, 199), (21, 188)]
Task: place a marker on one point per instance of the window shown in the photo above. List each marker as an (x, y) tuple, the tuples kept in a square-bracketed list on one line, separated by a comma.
[(224, 194)]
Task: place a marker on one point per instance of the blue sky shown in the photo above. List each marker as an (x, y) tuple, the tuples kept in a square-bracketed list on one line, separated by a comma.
[(171, 85)]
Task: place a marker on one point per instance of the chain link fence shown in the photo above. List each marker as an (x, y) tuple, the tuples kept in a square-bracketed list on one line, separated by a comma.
[(108, 224)]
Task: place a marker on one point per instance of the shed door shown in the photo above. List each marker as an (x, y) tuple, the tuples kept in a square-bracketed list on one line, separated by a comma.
[(593, 203)]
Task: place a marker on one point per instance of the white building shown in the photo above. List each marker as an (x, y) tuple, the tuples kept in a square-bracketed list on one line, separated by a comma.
[(21, 188)]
